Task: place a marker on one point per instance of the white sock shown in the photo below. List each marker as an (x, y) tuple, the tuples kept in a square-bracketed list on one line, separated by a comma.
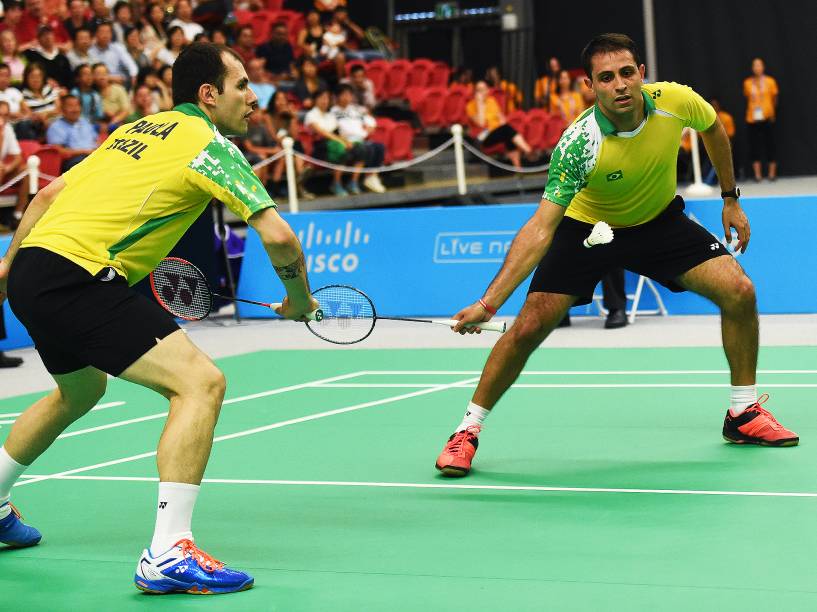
[(10, 471), (742, 398), (474, 415), (173, 515)]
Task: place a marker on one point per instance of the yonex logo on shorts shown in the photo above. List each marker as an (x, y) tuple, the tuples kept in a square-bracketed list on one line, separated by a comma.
[(162, 505), (714, 246), (615, 176)]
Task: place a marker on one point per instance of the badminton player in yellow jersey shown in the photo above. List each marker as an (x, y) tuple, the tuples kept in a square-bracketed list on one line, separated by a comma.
[(617, 163), (85, 240)]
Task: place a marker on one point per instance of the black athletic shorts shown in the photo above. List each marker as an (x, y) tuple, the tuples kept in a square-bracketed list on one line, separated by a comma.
[(661, 249), (77, 320)]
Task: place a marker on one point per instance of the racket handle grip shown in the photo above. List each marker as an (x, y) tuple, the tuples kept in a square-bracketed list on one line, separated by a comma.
[(315, 315), (494, 326)]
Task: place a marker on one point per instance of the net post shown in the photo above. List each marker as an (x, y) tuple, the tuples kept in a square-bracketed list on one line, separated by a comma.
[(33, 164), (698, 187), (459, 160), (292, 181)]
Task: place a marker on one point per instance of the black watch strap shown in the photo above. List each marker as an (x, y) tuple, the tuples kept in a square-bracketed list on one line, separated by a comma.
[(732, 193)]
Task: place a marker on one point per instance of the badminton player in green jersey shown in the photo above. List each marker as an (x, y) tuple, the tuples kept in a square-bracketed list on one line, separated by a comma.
[(84, 241), (617, 163)]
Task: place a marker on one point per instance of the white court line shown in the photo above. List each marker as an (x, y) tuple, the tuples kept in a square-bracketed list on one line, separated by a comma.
[(576, 372), (6, 422), (420, 485), (94, 409), (574, 385), (235, 400), (249, 432)]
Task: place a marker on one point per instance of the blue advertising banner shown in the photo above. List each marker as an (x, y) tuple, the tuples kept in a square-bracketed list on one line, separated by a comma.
[(16, 335), (434, 261)]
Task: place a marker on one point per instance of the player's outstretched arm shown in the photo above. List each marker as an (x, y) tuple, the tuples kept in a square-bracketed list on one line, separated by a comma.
[(36, 209), (284, 251), (528, 247), (720, 152)]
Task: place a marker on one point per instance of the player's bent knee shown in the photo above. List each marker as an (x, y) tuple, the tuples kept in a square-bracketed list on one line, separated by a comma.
[(743, 293)]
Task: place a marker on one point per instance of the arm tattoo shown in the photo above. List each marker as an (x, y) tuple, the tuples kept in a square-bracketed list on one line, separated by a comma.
[(292, 270)]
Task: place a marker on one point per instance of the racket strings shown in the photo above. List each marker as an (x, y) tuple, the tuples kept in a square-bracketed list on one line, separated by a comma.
[(181, 288), (348, 315)]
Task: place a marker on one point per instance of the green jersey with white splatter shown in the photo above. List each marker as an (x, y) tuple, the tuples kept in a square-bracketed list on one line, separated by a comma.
[(128, 203), (625, 178)]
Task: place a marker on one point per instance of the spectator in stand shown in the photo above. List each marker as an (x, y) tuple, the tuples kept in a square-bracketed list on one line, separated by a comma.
[(121, 67), (153, 29), (34, 17), (258, 144), (115, 101), (100, 13), (258, 82), (166, 76), (362, 87), (490, 126), (143, 104), (175, 43), (309, 83), (566, 103), (329, 145), (11, 56), (11, 162), (513, 97), (89, 99), (46, 53), (547, 84), (136, 49), (162, 98), (220, 36), (77, 18), (122, 20), (75, 136), (277, 53), (353, 33), (761, 93), (463, 77), (326, 9), (587, 94), (245, 43), (80, 53), (333, 41), (17, 109), (41, 98), (310, 38), (281, 121), (355, 125), (184, 19), (13, 13)]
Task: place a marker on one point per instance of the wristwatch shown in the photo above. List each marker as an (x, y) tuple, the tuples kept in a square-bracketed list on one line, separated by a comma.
[(732, 193)]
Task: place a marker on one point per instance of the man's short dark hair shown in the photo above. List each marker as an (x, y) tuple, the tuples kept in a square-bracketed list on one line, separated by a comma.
[(119, 5), (197, 64), (344, 87), (357, 68), (82, 29), (68, 97), (607, 43), (103, 23), (5, 66)]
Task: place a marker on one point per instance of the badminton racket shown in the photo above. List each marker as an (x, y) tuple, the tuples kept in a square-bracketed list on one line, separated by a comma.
[(349, 316), (182, 289)]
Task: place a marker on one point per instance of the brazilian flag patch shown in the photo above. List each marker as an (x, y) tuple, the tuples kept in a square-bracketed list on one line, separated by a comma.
[(615, 176)]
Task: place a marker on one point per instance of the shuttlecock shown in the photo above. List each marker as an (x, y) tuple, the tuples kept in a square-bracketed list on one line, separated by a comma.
[(601, 234)]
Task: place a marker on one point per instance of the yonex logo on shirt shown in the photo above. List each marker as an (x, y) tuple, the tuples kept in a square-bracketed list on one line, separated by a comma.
[(615, 176)]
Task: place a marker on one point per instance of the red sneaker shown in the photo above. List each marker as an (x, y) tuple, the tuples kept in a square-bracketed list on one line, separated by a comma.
[(756, 425), (459, 451)]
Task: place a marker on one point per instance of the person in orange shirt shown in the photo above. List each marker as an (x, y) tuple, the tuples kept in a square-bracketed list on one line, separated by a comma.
[(761, 91), (546, 85), (729, 126), (489, 126), (512, 95), (567, 102)]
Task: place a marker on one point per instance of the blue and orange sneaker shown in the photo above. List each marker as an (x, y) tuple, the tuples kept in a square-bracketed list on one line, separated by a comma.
[(756, 425), (187, 569), (15, 533)]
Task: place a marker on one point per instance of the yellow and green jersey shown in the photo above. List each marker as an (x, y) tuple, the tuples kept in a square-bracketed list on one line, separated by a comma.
[(625, 178), (130, 201)]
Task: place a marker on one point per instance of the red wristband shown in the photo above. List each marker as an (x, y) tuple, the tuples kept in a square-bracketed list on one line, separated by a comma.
[(489, 309)]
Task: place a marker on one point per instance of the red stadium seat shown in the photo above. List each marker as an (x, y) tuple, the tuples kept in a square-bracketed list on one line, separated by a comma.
[(555, 126), (305, 136), (376, 71), (400, 143), (397, 79), (382, 134), (420, 73), (50, 158), (454, 107), (261, 22), (517, 120), (535, 128), (440, 74), (413, 95), (430, 107), (274, 5)]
